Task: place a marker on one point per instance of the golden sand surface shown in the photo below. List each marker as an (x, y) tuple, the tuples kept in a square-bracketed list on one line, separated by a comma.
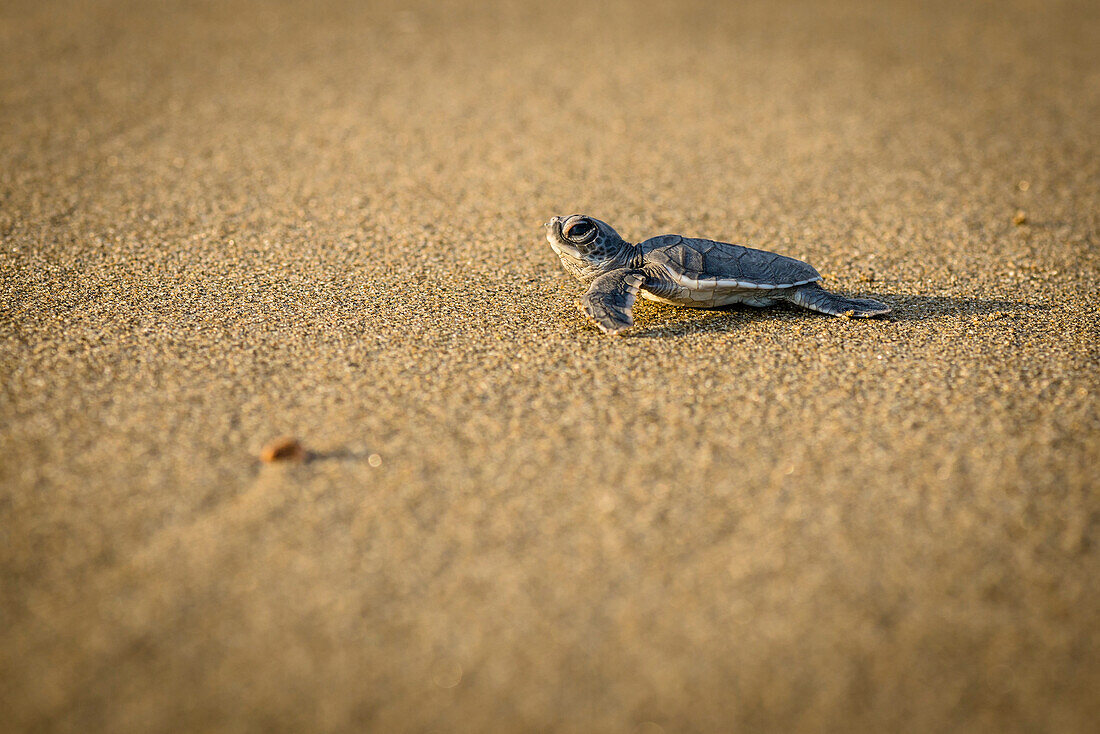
[(225, 222)]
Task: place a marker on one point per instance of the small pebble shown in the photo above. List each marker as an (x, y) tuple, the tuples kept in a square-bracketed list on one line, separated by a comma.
[(1020, 219), (284, 448)]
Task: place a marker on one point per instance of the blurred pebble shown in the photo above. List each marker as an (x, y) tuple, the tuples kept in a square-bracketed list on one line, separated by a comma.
[(446, 673), (284, 448)]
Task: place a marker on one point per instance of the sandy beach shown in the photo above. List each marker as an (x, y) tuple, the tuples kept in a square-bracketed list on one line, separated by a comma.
[(224, 222)]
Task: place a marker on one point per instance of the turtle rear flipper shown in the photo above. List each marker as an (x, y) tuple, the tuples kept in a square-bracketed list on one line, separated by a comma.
[(609, 301), (816, 298)]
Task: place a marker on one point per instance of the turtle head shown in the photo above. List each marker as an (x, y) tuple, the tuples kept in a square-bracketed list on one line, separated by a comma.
[(584, 242)]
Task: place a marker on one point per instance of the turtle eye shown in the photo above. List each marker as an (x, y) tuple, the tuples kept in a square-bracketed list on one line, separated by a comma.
[(582, 231)]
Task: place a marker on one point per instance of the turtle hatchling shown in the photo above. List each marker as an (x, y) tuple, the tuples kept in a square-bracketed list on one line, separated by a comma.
[(685, 271)]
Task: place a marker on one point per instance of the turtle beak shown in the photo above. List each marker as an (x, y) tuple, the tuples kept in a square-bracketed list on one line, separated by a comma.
[(553, 234), (554, 225)]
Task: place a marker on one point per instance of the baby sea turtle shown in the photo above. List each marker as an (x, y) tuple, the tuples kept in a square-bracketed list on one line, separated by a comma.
[(685, 272)]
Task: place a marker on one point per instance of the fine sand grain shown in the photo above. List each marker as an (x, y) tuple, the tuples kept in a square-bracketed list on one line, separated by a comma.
[(224, 222)]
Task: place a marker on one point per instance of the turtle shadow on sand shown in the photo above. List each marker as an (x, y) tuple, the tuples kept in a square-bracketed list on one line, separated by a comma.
[(672, 321), (920, 308)]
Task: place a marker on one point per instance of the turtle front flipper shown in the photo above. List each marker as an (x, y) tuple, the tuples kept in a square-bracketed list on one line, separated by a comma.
[(610, 300)]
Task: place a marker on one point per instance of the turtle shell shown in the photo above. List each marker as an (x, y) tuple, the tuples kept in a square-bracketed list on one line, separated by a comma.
[(698, 263)]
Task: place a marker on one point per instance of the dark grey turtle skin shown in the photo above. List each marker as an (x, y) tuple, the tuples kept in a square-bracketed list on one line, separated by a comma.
[(685, 271)]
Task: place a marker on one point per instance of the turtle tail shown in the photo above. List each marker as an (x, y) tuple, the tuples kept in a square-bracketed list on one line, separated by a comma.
[(816, 298)]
